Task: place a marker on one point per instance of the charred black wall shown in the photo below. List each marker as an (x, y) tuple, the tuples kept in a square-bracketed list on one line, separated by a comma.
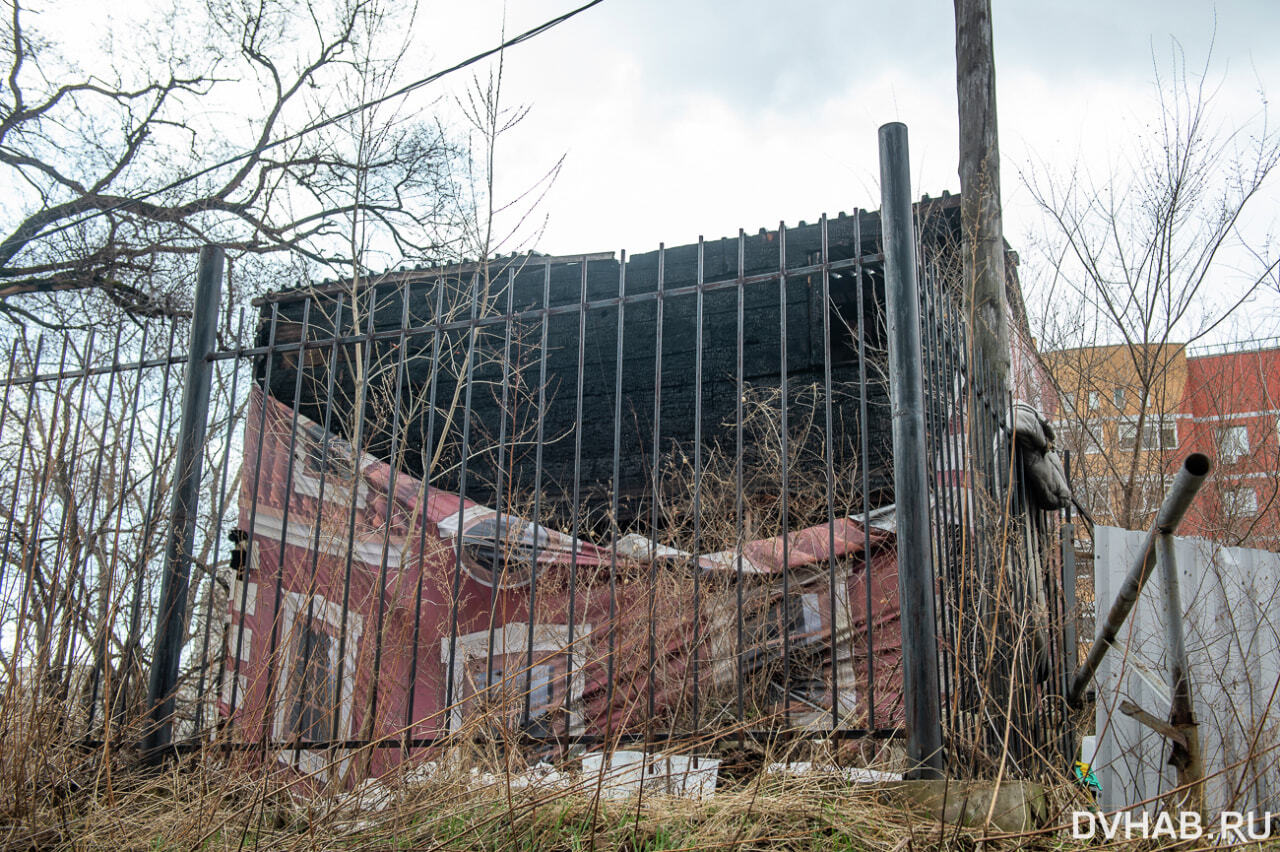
[(590, 449)]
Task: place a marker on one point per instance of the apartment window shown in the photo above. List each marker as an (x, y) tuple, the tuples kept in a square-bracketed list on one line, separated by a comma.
[(1117, 396), (1158, 433), (1239, 501), (1093, 399), (1151, 492), (1069, 405), (1233, 442), (1071, 436)]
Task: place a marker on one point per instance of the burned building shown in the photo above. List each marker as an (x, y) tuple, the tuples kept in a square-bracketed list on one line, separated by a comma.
[(589, 377), (591, 496)]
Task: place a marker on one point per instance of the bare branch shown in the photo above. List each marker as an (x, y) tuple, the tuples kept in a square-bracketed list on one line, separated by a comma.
[(89, 153)]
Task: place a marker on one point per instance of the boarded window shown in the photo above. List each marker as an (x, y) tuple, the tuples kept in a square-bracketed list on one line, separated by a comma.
[(312, 684), (498, 688)]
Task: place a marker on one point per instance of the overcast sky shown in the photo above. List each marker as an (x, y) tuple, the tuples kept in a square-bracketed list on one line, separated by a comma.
[(680, 118)]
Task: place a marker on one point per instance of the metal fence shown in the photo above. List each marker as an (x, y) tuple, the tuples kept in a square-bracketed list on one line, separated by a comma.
[(1006, 582), (539, 502)]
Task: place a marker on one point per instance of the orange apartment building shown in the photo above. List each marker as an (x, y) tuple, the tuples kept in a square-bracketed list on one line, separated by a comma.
[(1129, 415)]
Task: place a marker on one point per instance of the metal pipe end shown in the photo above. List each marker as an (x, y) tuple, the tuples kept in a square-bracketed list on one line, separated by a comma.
[(1197, 464), (1195, 467)]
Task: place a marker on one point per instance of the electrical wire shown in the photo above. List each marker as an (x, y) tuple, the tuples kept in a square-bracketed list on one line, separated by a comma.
[(320, 125)]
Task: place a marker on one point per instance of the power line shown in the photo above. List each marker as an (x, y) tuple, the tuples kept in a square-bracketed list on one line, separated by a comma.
[(320, 125)]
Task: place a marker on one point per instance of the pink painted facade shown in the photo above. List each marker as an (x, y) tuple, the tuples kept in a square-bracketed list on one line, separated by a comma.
[(343, 624)]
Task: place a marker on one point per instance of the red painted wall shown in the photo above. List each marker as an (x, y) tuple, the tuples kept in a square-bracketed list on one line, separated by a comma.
[(1225, 391)]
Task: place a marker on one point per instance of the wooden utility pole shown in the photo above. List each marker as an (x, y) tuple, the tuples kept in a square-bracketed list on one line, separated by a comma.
[(980, 185)]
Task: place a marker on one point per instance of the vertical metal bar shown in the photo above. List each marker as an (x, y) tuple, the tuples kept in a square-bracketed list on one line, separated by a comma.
[(657, 449), (957, 499), (69, 515), (954, 560), (828, 450), (1070, 604), (93, 500), (473, 332), (697, 480), (988, 606), (1189, 760), (935, 431), (737, 482), (932, 414), (23, 442), (537, 486), (1068, 744), (364, 341), (613, 508), (1022, 637), (940, 478), (911, 489), (30, 553), (394, 462), (134, 636), (27, 527), (500, 530), (575, 508), (8, 383), (273, 646), (969, 446), (106, 613), (864, 467), (968, 464), (326, 435), (220, 512), (784, 437), (4, 417), (436, 334), (253, 499), (4, 412), (216, 683), (171, 618), (1179, 678)]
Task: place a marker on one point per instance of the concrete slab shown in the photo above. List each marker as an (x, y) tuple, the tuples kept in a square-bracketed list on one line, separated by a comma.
[(1019, 805)]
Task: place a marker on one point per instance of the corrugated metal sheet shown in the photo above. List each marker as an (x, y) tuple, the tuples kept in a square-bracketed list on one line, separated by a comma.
[(1231, 602)]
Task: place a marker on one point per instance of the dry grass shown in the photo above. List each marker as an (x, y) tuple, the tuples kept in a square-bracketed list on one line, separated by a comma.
[(55, 795), (214, 802)]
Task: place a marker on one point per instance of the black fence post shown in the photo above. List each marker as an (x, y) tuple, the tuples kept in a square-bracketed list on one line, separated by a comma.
[(910, 459), (171, 615)]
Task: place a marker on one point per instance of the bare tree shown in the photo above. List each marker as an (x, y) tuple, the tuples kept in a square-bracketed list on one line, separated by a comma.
[(1141, 261), (122, 171)]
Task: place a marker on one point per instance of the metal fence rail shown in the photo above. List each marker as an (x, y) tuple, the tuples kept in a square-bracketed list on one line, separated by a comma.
[(541, 502)]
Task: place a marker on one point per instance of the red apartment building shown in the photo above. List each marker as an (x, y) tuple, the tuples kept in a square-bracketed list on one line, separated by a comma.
[(1223, 401), (1231, 411)]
